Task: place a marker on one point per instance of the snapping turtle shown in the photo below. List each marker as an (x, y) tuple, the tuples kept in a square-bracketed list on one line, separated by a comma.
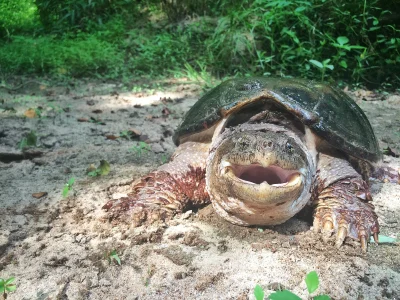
[(262, 149)]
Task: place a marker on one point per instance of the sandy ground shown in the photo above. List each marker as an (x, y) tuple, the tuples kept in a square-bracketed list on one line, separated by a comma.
[(57, 247)]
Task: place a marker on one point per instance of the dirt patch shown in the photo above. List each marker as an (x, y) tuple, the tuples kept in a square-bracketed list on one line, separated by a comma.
[(59, 247)]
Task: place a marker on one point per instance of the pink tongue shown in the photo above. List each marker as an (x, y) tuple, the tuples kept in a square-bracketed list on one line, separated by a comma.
[(257, 174)]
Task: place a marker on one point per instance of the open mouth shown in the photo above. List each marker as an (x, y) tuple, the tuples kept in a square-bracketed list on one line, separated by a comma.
[(257, 174)]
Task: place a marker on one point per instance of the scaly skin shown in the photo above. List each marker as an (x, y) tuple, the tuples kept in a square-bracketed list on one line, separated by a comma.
[(343, 203), (174, 187), (341, 197)]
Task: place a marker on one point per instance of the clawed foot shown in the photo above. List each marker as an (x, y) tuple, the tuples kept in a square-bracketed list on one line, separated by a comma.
[(343, 209), (130, 210)]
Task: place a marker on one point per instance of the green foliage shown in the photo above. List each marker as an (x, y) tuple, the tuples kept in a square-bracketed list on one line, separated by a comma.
[(29, 140), (312, 282), (141, 148), (102, 170), (67, 187), (60, 15), (7, 285), (83, 55), (259, 292), (284, 295), (113, 256), (358, 41), (15, 15)]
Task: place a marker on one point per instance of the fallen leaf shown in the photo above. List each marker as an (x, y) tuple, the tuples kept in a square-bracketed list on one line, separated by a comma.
[(90, 102), (111, 137), (137, 106), (97, 111), (83, 120), (134, 132), (30, 113), (39, 195)]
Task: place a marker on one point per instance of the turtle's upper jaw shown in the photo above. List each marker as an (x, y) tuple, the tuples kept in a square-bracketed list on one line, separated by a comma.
[(259, 175)]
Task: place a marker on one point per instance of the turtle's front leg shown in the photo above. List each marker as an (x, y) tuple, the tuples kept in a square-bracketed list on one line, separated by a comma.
[(170, 189), (343, 203)]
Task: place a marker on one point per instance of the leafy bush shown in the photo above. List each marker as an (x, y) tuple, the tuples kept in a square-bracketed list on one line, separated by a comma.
[(323, 39), (84, 55), (60, 15)]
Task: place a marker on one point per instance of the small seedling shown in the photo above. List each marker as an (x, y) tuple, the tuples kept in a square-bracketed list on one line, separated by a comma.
[(141, 148), (322, 66), (29, 140), (7, 286), (68, 187), (102, 170), (312, 282), (113, 256), (164, 159)]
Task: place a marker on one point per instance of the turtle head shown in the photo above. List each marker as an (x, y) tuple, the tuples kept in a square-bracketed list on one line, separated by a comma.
[(259, 174)]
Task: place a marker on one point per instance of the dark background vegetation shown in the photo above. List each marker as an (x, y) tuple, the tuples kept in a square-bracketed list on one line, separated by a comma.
[(333, 40)]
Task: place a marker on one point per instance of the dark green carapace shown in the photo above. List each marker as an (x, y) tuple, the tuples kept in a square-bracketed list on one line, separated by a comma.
[(328, 111)]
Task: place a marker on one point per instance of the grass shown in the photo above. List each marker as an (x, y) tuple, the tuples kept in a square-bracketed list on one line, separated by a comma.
[(326, 40)]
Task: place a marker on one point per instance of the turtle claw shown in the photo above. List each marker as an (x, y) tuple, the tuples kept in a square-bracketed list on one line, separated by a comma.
[(364, 243), (346, 214), (341, 236), (376, 239)]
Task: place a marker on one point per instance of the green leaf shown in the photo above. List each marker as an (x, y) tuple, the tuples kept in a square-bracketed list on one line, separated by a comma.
[(343, 64), (93, 173), (114, 255), (342, 40), (259, 292), (11, 288), (322, 297), (2, 285), (104, 168), (31, 138), (301, 8), (316, 63), (10, 280), (71, 181), (283, 295), (312, 281), (65, 191), (22, 144), (330, 67)]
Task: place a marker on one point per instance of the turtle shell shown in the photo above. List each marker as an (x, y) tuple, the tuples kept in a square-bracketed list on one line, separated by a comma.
[(328, 111)]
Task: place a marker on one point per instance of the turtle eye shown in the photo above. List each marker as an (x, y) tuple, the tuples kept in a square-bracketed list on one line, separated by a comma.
[(289, 147)]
